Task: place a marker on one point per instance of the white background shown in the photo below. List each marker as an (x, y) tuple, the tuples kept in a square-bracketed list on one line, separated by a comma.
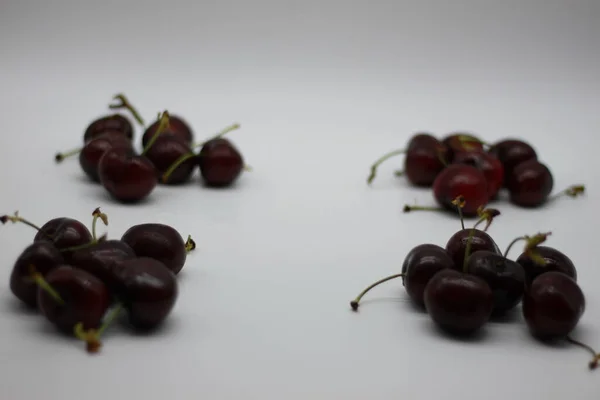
[(321, 89)]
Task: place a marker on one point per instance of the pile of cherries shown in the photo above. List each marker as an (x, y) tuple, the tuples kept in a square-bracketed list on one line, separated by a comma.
[(80, 282), (168, 155), (462, 164), (470, 282)]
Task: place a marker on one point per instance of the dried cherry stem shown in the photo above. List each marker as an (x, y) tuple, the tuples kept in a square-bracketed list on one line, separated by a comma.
[(43, 284), (98, 215), (59, 157), (165, 177), (571, 191), (92, 336), (162, 126), (354, 303), (593, 364), (486, 215), (91, 243), (123, 102), (16, 218), (530, 246), (190, 244), (460, 202), (408, 208), (380, 161)]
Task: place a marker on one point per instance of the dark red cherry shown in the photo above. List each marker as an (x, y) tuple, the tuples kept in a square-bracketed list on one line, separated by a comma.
[(64, 233), (505, 277), (113, 122), (553, 305), (461, 142), (458, 303), (85, 299), (420, 265), (461, 180), (44, 257), (158, 241), (128, 177), (425, 159), (168, 149), (177, 127), (530, 184), (102, 259), (489, 165), (457, 245), (220, 163), (554, 260), (94, 149), (512, 152), (148, 290)]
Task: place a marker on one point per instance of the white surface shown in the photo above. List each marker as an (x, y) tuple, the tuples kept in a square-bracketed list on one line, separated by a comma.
[(321, 89)]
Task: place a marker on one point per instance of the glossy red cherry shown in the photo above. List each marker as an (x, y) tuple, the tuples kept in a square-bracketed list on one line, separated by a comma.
[(512, 152), (79, 297), (461, 180), (553, 260), (530, 184), (112, 122), (490, 166), (177, 127), (460, 143), (479, 241), (92, 152), (167, 150), (220, 163)]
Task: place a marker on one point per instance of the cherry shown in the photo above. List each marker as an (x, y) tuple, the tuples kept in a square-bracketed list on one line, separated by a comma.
[(506, 278), (425, 159), (460, 143), (165, 152), (457, 302), (102, 259), (71, 296), (420, 265), (113, 122), (45, 257), (530, 183), (552, 260), (177, 127), (512, 152), (129, 177), (490, 166), (148, 290), (160, 242), (461, 180)]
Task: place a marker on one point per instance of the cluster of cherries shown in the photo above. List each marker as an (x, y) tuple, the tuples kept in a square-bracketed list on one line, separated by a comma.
[(81, 283), (109, 157), (470, 282), (462, 164)]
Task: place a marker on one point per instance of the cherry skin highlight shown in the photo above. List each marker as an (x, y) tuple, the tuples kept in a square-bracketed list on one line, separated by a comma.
[(113, 122), (94, 149), (420, 265), (512, 152), (148, 290), (530, 184), (177, 127), (554, 260), (458, 303), (126, 176), (168, 149), (85, 297), (490, 166), (461, 180), (506, 278), (220, 163), (458, 243), (64, 233), (553, 306), (44, 256)]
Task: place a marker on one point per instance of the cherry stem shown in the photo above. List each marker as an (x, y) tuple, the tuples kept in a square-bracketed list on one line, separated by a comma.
[(165, 177), (92, 336), (466, 139), (571, 191), (399, 173), (530, 246), (511, 244), (468, 250), (593, 364), (382, 159), (16, 218), (459, 202), (59, 157), (190, 244), (408, 208), (123, 102), (42, 283), (354, 303), (98, 215), (162, 126), (91, 243)]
